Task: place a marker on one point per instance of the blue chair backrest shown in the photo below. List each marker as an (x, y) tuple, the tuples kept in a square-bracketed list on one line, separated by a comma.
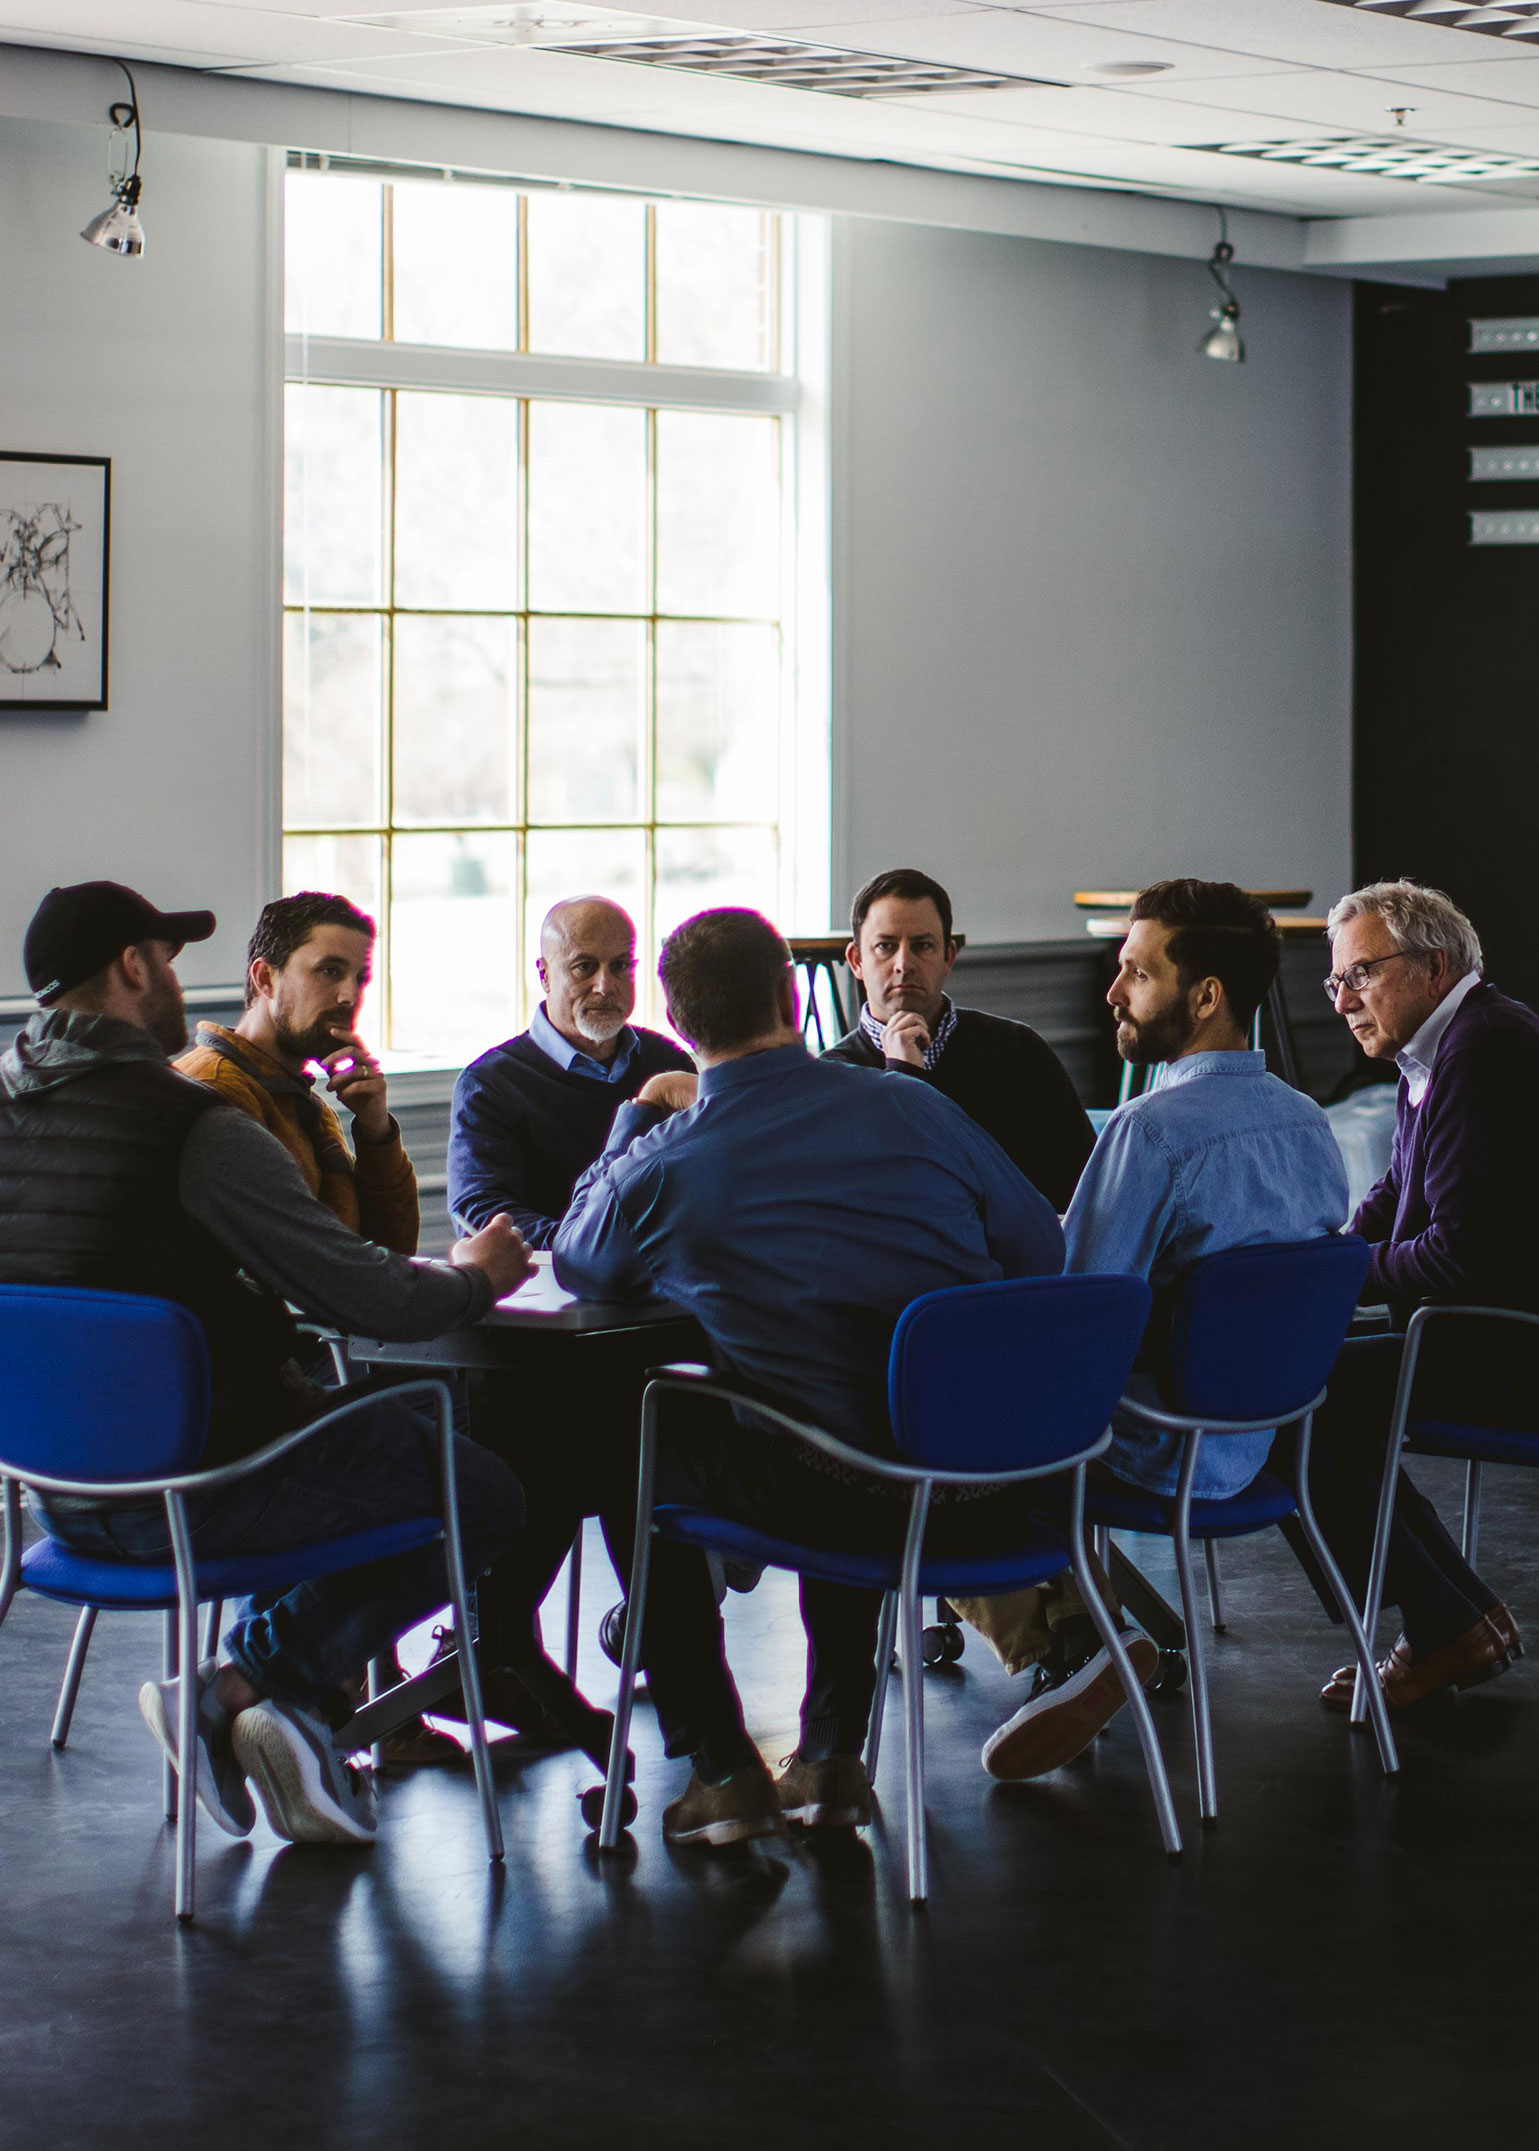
[(1254, 1332), (100, 1385), (1001, 1377)]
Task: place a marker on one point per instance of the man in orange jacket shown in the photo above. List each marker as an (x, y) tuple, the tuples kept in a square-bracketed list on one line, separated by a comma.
[(307, 966)]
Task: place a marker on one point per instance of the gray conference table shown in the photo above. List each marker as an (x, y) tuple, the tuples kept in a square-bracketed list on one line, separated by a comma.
[(530, 1342)]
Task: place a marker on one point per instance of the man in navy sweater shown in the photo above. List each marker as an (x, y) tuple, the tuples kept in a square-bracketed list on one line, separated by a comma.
[(531, 1115), (529, 1118), (1451, 1220)]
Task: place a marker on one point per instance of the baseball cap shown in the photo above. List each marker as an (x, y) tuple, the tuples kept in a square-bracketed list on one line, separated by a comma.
[(76, 932)]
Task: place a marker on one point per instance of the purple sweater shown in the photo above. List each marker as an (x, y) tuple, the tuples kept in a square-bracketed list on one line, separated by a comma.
[(1455, 1216)]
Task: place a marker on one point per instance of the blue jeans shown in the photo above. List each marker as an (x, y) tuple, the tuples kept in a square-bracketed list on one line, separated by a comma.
[(380, 1469)]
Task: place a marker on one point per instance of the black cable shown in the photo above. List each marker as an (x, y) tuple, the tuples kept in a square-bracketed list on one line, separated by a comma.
[(126, 116)]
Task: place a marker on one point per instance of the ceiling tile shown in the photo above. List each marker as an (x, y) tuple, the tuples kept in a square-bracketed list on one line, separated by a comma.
[(1362, 103), (1310, 33)]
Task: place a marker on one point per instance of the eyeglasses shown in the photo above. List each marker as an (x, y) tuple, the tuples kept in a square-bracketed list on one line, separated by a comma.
[(1356, 975)]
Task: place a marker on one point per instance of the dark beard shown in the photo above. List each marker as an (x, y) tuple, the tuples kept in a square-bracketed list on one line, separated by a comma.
[(1161, 1038), (312, 1045), (165, 1018)]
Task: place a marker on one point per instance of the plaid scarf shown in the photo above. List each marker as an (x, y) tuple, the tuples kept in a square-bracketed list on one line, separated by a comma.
[(939, 1039)]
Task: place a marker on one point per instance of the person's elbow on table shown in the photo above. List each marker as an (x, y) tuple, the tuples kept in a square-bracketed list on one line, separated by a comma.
[(500, 1251)]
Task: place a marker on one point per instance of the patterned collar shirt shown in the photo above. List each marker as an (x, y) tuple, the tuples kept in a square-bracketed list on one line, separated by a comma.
[(873, 1028)]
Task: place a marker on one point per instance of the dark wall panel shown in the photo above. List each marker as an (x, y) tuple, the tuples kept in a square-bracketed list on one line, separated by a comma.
[(1447, 634)]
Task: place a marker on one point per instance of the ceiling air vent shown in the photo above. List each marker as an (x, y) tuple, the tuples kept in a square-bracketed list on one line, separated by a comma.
[(795, 66), (1515, 18), (1397, 157)]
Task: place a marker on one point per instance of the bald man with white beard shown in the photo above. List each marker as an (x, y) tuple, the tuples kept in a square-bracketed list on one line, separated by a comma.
[(529, 1118), (531, 1115)]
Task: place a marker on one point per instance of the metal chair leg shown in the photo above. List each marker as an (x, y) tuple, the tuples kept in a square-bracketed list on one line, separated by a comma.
[(464, 1629), (1471, 1539), (1368, 1686), (213, 1619), (187, 1705), (1197, 1670), (913, 1730), (168, 1787), (1215, 1602), (72, 1673), (10, 1558), (1103, 1546), (573, 1604), (1138, 1703), (887, 1629), (381, 1679), (635, 1616)]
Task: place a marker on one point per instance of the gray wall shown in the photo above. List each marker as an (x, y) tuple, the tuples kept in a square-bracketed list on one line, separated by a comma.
[(1091, 589), (166, 365)]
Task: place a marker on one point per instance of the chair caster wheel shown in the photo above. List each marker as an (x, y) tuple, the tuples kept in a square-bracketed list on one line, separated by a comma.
[(941, 1644), (591, 1805), (1172, 1673), (612, 1634)]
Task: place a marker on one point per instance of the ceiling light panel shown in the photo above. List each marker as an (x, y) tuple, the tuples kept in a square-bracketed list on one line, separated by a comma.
[(1517, 19), (1385, 157)]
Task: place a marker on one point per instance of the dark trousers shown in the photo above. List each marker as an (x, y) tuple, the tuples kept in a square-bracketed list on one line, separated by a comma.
[(1461, 1376), (767, 1482), (304, 1646), (569, 1425)]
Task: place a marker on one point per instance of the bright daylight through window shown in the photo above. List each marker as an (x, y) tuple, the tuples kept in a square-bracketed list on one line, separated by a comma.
[(553, 574)]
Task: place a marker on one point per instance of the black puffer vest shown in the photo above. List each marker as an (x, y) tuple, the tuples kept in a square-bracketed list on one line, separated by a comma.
[(92, 1123)]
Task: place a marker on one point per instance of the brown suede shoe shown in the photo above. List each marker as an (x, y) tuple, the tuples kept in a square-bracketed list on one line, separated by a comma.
[(1480, 1654), (830, 1795), (744, 1805)]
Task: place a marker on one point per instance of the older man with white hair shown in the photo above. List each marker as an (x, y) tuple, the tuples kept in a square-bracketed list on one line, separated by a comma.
[(1454, 1219)]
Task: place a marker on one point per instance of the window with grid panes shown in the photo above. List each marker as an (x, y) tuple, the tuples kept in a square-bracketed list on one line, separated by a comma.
[(539, 566)]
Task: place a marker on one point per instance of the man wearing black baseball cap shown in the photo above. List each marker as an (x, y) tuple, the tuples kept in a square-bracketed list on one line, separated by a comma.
[(76, 932), (119, 1173)]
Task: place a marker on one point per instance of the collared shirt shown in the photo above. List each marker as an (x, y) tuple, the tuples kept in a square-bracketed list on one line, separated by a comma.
[(1221, 1155), (795, 1209), (543, 1033), (1415, 1058), (873, 1027)]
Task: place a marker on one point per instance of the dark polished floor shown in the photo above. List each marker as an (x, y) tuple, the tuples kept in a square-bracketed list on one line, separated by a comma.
[(1341, 1963)]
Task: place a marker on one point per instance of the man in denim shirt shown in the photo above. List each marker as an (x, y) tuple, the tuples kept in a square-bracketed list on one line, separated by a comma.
[(1220, 1154)]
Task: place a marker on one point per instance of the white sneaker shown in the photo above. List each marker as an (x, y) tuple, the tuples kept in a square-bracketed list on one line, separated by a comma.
[(1061, 1720), (311, 1794), (221, 1787)]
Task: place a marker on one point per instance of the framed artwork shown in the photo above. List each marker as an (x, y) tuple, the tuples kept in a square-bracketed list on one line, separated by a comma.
[(55, 516)]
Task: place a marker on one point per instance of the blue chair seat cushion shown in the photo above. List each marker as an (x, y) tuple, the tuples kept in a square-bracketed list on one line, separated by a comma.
[(57, 1571), (1129, 1508), (1482, 1445), (1037, 1559)]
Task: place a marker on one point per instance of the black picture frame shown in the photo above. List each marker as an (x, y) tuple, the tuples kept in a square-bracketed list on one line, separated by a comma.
[(55, 558)]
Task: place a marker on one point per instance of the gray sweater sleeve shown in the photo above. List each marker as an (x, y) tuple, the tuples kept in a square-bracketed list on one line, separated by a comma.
[(239, 1182)]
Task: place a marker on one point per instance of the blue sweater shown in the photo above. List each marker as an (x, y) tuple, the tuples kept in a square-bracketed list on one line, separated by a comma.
[(522, 1130)]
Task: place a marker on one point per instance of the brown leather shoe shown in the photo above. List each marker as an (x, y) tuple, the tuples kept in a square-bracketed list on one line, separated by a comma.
[(1480, 1654)]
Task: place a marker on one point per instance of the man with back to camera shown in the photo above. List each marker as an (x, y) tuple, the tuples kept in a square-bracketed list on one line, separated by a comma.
[(118, 1172), (795, 1207), (531, 1115), (1000, 1072), (308, 965), (1221, 1155), (1452, 1220)]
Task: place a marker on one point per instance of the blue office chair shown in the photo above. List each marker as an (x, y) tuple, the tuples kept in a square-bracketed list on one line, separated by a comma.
[(1254, 1333), (106, 1395), (996, 1383), (1470, 1442)]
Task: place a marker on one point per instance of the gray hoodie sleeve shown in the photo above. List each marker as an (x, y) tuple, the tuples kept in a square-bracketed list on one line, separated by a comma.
[(239, 1182)]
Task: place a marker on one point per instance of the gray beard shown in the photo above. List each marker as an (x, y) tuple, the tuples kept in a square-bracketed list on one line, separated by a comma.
[(601, 1030)]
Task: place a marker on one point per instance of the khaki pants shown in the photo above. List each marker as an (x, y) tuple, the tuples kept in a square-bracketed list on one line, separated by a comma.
[(1020, 1627)]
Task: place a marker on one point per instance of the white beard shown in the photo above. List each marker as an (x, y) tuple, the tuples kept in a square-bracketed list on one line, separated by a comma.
[(599, 1030)]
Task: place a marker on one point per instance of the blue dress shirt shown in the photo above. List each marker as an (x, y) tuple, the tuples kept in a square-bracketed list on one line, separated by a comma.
[(1221, 1155), (543, 1033), (795, 1209)]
